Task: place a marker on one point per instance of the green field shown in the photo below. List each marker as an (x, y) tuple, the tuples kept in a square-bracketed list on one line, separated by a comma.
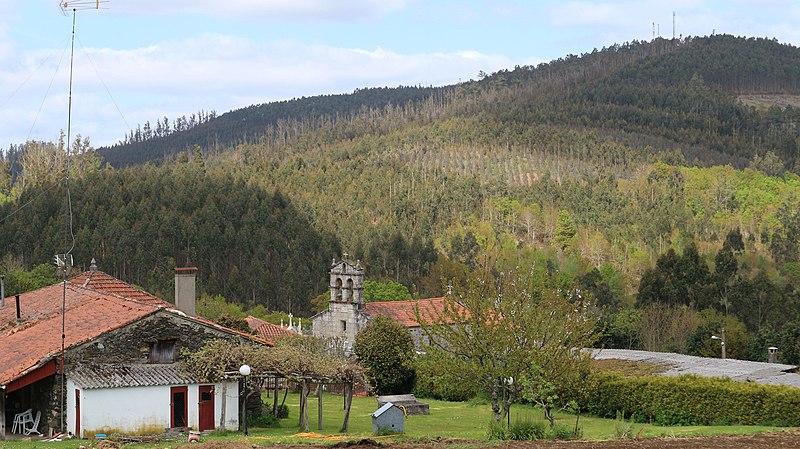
[(446, 419)]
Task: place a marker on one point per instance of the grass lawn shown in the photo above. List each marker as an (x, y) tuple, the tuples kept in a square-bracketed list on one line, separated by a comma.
[(446, 419)]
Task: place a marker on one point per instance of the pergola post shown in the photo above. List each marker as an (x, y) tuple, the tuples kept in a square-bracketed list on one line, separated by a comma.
[(319, 405)]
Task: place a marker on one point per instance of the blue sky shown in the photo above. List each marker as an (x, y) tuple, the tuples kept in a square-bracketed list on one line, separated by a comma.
[(142, 60)]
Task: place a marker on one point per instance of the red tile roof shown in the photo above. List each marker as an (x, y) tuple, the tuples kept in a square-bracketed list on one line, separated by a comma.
[(37, 339), (97, 280), (95, 303), (403, 311), (268, 331)]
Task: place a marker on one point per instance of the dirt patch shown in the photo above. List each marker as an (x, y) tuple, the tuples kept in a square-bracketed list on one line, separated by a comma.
[(764, 102), (357, 443), (773, 440)]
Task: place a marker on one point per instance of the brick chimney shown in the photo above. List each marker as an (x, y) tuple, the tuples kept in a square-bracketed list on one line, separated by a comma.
[(185, 290)]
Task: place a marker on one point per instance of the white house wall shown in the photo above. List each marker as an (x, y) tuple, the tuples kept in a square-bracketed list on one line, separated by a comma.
[(144, 410)]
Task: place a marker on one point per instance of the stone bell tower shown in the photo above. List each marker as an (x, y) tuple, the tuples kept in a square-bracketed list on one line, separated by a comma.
[(347, 283), (345, 316)]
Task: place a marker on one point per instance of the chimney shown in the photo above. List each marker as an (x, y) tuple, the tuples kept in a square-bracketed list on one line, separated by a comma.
[(773, 354), (185, 290), (19, 315), (93, 266), (2, 291)]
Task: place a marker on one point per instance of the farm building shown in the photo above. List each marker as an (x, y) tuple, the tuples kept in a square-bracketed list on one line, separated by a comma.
[(120, 360)]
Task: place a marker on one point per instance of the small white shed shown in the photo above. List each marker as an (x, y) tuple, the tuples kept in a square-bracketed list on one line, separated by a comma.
[(388, 419)]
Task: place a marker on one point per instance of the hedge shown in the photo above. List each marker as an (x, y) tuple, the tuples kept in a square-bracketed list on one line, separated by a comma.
[(695, 400)]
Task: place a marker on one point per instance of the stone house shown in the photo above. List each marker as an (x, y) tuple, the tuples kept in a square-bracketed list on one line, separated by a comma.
[(120, 359), (347, 312)]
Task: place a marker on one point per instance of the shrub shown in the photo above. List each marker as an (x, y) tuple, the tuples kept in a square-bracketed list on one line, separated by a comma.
[(386, 349), (434, 380), (688, 400), (623, 428), (520, 430)]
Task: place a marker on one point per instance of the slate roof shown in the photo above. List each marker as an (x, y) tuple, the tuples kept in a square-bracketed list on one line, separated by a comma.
[(678, 364), (130, 375), (403, 311)]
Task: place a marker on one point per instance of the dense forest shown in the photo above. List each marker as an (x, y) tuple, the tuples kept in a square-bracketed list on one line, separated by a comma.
[(634, 173)]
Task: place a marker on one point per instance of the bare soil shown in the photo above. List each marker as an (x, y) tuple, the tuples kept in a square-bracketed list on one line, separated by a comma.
[(773, 440)]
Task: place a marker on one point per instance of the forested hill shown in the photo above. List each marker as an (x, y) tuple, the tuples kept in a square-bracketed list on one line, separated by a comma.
[(248, 125), (662, 95)]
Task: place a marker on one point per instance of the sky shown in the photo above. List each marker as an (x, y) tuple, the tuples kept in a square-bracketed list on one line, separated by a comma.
[(142, 60)]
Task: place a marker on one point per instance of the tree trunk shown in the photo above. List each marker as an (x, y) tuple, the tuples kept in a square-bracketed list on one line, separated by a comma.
[(306, 391), (301, 413), (496, 404), (548, 414), (348, 400)]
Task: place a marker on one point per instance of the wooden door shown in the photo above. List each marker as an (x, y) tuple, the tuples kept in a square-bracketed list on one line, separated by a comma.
[(206, 408), (77, 413), (179, 405)]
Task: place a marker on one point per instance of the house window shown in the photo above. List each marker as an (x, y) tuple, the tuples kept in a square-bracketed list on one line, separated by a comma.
[(344, 325), (162, 351)]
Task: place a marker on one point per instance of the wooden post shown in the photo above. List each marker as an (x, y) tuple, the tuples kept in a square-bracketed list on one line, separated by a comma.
[(2, 416), (275, 397), (319, 405)]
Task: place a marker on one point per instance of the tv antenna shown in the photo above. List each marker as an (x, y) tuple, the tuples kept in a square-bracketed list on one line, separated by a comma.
[(64, 260), (67, 6)]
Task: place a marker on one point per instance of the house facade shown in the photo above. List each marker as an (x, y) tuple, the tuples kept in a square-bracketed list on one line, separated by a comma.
[(120, 360)]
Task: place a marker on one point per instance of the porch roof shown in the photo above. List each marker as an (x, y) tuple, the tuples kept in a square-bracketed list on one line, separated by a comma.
[(130, 375)]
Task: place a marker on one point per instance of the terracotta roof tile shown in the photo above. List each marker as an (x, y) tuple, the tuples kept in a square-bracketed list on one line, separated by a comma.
[(403, 311), (94, 304), (36, 340), (97, 280), (269, 331)]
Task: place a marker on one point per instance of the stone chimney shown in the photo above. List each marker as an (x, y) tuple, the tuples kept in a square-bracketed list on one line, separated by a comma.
[(185, 290), (773, 354)]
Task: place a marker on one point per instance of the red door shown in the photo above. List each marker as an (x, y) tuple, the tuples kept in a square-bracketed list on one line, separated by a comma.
[(179, 406), (206, 407), (78, 413)]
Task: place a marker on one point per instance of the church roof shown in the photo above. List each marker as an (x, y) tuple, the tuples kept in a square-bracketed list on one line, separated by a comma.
[(268, 331), (404, 312)]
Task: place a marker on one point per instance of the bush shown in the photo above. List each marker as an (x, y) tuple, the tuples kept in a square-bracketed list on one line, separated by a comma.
[(386, 349), (520, 430), (435, 381), (694, 400), (623, 428), (560, 432)]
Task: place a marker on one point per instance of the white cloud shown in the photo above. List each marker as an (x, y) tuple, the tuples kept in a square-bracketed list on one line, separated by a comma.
[(268, 10)]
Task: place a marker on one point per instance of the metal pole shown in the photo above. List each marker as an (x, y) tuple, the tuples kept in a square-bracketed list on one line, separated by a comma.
[(244, 412), (723, 343)]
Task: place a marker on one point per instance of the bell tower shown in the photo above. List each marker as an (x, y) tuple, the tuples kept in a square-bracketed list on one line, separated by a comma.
[(347, 283)]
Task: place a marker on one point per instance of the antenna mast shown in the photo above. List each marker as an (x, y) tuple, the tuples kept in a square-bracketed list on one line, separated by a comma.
[(673, 25), (64, 261)]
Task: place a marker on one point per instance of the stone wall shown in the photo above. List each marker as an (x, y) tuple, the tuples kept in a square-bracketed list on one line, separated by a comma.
[(330, 322)]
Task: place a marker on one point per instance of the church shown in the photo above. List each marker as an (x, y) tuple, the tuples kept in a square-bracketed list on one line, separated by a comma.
[(348, 313)]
